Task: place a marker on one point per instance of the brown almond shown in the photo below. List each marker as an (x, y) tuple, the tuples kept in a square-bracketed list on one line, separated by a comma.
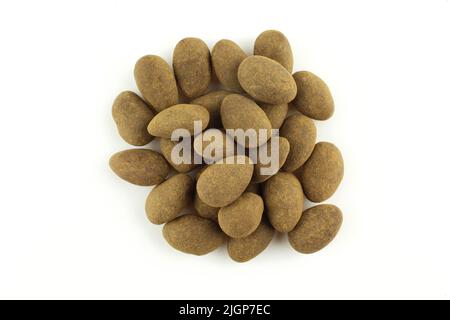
[(283, 152), (180, 116), (266, 80), (283, 197), (191, 63), (226, 57), (313, 98), (193, 234), (240, 218), (322, 173), (274, 45), (167, 200), (156, 82), (142, 167), (222, 183), (301, 133), (318, 226), (132, 116), (239, 112), (247, 248)]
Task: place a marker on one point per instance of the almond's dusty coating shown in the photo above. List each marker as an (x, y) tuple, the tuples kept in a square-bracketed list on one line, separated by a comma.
[(220, 184), (205, 145), (193, 234), (132, 116), (240, 218), (192, 66), (204, 210), (226, 57), (313, 98), (142, 167), (156, 82), (167, 146), (283, 151), (274, 45), (301, 134), (166, 200), (247, 248), (212, 102), (283, 197), (180, 116), (276, 113), (318, 226), (239, 112), (322, 173), (266, 80)]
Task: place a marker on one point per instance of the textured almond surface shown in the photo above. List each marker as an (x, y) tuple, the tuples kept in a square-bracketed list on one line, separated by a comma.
[(283, 152), (226, 57), (266, 80), (142, 167), (180, 116), (239, 112), (247, 248), (192, 66), (193, 234), (322, 173), (214, 145), (132, 116), (313, 98), (301, 133), (283, 197), (220, 184), (240, 218), (274, 45), (317, 228), (166, 201), (156, 82)]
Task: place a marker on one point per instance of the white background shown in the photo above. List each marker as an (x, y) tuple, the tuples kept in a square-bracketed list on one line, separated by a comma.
[(70, 229)]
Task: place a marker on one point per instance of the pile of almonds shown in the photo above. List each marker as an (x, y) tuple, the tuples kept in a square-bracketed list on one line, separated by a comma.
[(231, 201)]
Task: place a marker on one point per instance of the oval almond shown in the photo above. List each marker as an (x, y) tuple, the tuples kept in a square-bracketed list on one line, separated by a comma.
[(156, 81), (301, 133), (193, 234), (283, 197), (240, 218), (132, 116), (226, 57), (180, 116), (263, 171), (222, 183), (274, 45), (239, 112), (313, 98), (322, 173), (142, 167), (247, 248), (318, 226), (266, 80), (191, 63), (165, 201)]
